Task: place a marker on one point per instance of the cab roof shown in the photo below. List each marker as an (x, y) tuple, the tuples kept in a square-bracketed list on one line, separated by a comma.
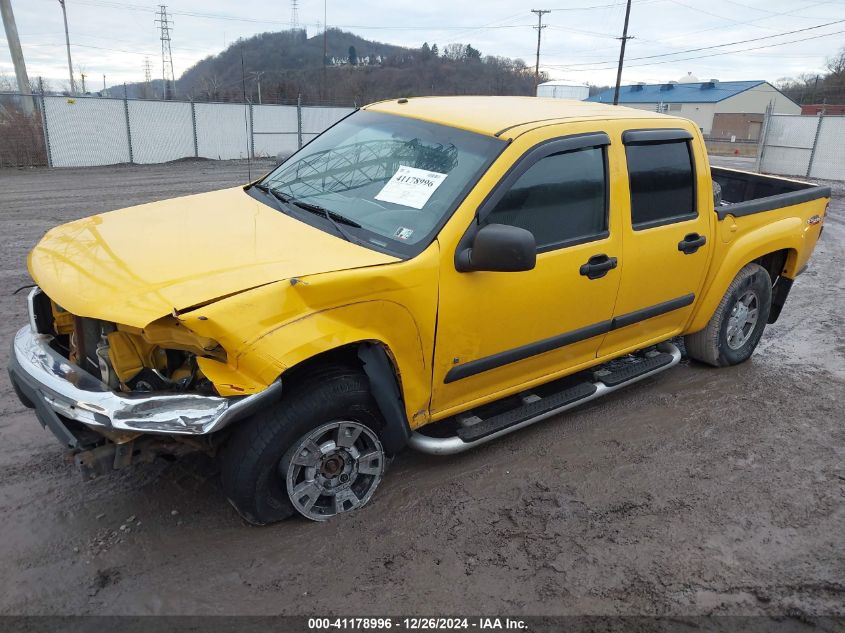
[(494, 116)]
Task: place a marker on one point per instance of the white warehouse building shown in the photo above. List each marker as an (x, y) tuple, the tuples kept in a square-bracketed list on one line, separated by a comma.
[(563, 90), (722, 109)]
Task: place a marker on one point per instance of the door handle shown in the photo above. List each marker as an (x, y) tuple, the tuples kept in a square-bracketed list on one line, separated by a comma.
[(597, 266), (691, 243)]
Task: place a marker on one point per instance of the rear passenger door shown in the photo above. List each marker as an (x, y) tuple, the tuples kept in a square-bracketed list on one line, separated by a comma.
[(666, 238)]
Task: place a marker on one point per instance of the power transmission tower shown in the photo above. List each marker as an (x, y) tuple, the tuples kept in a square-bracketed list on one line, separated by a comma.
[(165, 25), (148, 79), (17, 55), (624, 38), (294, 14), (540, 26), (67, 44)]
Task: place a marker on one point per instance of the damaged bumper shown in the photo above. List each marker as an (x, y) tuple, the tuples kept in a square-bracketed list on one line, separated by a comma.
[(57, 389)]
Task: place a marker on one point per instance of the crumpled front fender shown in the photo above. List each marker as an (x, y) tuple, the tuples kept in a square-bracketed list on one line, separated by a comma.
[(387, 323)]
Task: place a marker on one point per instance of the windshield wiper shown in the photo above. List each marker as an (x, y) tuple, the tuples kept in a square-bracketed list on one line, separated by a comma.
[(331, 216), (275, 194)]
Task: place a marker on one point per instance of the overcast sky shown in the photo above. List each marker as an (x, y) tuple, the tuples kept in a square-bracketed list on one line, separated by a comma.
[(112, 37)]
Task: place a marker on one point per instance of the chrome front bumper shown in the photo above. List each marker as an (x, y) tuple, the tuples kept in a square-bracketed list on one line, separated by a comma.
[(53, 386)]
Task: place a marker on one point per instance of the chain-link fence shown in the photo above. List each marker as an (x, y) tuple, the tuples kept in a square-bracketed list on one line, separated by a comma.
[(801, 145), (88, 131), (21, 134)]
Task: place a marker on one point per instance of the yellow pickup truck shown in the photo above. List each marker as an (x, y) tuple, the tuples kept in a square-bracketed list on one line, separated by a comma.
[(429, 272)]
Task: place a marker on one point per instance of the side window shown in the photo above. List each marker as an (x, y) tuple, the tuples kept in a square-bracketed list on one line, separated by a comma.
[(561, 199), (662, 183)]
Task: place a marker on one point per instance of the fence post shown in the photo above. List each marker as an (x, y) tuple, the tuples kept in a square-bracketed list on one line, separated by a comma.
[(299, 120), (815, 144), (128, 127), (194, 127), (251, 132), (43, 109), (764, 133)]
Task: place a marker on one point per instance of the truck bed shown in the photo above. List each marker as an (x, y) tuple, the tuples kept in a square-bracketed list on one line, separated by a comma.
[(744, 193)]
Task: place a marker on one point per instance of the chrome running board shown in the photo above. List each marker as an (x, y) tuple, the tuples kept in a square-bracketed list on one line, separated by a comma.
[(454, 444)]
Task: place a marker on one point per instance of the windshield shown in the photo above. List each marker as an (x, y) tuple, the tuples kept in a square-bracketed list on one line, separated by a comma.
[(390, 181)]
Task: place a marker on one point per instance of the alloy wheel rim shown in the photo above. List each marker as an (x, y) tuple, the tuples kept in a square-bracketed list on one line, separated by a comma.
[(742, 319), (335, 468)]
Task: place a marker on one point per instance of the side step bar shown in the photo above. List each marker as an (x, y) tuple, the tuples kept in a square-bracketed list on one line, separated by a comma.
[(484, 431)]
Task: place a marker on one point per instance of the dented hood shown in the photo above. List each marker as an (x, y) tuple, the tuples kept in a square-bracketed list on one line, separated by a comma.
[(138, 264)]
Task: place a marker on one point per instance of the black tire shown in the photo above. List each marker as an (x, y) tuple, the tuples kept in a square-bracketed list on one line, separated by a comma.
[(714, 344), (256, 457)]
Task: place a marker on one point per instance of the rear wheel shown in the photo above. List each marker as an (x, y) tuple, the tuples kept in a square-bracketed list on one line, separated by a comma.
[(737, 324), (316, 453)]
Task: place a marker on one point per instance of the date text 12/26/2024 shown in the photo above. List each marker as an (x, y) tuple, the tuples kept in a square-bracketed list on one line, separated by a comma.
[(417, 624)]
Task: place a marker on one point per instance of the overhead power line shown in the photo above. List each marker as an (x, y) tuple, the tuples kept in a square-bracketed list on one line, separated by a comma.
[(605, 6), (267, 21), (743, 23), (671, 61), (706, 48)]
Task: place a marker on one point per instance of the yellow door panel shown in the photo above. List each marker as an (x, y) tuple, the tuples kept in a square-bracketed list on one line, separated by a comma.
[(494, 319), (665, 213), (500, 330)]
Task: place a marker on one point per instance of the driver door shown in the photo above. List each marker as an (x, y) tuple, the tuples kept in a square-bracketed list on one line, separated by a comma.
[(501, 332)]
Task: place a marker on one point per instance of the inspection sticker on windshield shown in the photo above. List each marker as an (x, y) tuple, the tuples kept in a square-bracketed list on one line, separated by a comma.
[(411, 187), (403, 233)]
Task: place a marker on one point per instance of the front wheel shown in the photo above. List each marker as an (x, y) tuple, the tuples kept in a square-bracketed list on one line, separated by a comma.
[(317, 452), (737, 324), (335, 468)]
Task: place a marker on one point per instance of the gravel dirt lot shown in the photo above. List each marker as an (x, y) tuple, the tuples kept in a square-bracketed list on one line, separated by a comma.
[(700, 491)]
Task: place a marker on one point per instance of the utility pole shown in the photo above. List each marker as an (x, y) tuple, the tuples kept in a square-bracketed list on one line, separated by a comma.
[(167, 74), (540, 26), (258, 74), (625, 38), (325, 46), (67, 44), (17, 55), (83, 75)]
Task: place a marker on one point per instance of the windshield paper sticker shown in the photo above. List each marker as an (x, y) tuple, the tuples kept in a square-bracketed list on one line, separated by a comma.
[(403, 233), (411, 187)]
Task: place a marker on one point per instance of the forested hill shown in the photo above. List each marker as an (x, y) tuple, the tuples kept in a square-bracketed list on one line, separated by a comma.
[(357, 70)]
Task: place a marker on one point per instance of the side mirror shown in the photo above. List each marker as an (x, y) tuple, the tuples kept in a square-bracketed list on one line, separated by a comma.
[(499, 248)]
